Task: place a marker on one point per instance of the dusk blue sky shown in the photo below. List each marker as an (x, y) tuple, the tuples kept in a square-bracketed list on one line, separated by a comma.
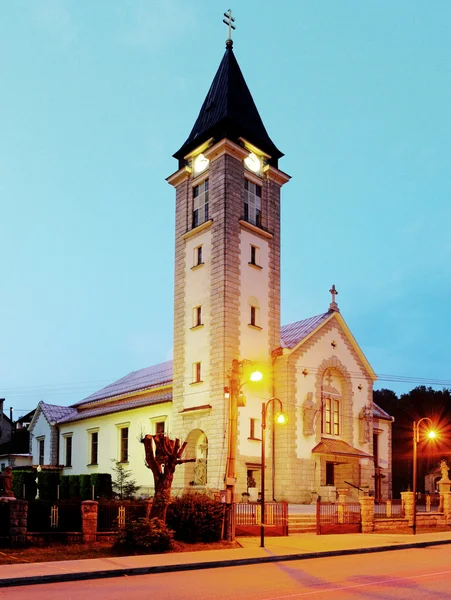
[(96, 96)]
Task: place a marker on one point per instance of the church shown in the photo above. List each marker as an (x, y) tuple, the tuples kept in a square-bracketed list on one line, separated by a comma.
[(227, 183)]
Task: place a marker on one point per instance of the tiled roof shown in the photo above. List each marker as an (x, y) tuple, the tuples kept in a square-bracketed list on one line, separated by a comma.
[(332, 446), (134, 381), (54, 413), (229, 112), (98, 410), (292, 334), (380, 413)]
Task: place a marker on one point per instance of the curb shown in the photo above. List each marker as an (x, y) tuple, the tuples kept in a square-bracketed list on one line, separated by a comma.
[(130, 571)]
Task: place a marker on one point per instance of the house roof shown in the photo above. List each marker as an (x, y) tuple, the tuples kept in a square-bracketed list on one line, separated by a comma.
[(115, 407), (54, 413), (229, 112), (332, 446), (380, 413), (143, 379), (292, 334)]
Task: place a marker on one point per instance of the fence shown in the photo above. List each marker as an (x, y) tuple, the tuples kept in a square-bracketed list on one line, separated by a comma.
[(4, 519), (110, 515), (388, 509), (337, 517), (47, 516), (247, 518)]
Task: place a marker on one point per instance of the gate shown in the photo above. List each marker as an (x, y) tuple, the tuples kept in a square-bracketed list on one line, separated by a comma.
[(47, 516), (247, 518), (338, 517)]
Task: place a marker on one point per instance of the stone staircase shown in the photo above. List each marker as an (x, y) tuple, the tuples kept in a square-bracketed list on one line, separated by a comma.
[(301, 523)]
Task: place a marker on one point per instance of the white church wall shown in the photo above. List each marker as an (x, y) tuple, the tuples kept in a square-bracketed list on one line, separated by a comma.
[(310, 361), (140, 422), (384, 429), (254, 342), (197, 339)]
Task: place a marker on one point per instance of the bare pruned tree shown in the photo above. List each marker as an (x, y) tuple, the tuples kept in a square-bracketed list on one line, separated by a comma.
[(162, 457)]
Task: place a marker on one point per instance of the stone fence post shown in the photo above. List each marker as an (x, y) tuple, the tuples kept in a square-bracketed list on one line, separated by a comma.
[(89, 510), (16, 530), (447, 506), (407, 502), (367, 512)]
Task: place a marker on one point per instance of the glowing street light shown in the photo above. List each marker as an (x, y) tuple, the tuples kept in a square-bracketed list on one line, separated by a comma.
[(431, 434), (281, 419)]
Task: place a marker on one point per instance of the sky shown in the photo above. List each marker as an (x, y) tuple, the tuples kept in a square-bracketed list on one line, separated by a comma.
[(95, 97)]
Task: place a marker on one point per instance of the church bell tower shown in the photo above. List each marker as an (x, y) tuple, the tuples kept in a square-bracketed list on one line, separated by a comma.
[(227, 273)]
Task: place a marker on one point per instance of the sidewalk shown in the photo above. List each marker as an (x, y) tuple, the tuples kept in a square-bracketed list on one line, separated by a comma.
[(293, 547)]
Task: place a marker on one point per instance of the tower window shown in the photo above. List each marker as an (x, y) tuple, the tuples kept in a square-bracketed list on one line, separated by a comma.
[(200, 204), (255, 256), (254, 429), (197, 257), (197, 316), (252, 203), (197, 372), (254, 316)]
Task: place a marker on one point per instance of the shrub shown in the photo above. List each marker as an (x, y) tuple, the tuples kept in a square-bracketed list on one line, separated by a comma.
[(64, 487), (123, 483), (27, 479), (102, 485), (48, 482), (74, 487), (85, 487), (196, 518), (145, 535)]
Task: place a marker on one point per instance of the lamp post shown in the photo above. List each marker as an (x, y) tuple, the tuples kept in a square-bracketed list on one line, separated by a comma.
[(280, 419), (416, 439)]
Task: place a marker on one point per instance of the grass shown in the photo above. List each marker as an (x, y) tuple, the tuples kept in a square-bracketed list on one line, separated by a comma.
[(57, 552)]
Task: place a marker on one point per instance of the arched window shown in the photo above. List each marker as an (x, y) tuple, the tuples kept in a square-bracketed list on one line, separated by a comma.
[(331, 415)]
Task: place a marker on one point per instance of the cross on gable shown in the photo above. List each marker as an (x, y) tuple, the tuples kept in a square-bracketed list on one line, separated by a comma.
[(333, 305)]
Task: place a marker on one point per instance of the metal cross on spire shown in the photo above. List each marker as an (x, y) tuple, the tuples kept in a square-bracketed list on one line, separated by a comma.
[(333, 305), (229, 20)]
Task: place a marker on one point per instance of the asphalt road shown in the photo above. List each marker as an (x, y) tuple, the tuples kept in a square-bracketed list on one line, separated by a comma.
[(423, 573)]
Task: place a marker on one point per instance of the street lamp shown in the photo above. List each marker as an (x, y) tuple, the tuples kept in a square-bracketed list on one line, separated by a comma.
[(280, 418), (416, 438)]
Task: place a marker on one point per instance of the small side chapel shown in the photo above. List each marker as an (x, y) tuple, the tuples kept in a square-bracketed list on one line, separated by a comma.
[(226, 325)]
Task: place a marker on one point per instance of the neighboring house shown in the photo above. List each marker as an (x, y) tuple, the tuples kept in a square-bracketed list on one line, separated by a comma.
[(15, 460), (6, 425), (226, 323)]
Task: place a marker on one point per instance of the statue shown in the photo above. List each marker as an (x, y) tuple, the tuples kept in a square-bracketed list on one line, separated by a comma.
[(6, 482), (309, 411), (444, 469)]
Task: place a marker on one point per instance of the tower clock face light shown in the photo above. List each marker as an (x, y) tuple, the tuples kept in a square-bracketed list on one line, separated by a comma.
[(253, 163), (200, 163)]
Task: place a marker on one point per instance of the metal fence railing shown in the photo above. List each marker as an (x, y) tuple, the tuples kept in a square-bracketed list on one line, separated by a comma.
[(337, 513), (388, 509), (4, 518), (113, 514), (249, 513)]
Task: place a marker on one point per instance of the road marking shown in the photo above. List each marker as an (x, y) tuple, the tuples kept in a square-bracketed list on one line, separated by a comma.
[(358, 585)]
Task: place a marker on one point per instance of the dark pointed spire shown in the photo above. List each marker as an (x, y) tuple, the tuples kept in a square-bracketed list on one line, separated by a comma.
[(229, 112)]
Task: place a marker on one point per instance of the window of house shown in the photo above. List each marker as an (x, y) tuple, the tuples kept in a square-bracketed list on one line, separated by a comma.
[(252, 203), (68, 444), (254, 429), (124, 444), (94, 448), (255, 256), (331, 418), (159, 427), (197, 316), (330, 473), (197, 372), (41, 446), (197, 258), (200, 204)]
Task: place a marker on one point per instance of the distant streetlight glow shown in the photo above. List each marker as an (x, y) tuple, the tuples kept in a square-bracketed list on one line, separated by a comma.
[(256, 376), (431, 434)]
